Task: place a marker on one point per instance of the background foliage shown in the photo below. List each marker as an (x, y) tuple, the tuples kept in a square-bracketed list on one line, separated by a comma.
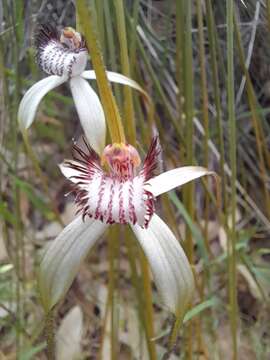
[(180, 53)]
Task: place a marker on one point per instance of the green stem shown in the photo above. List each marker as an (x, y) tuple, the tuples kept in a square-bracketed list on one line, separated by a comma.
[(111, 47), (211, 27), (173, 336), (233, 164), (256, 120), (49, 328), (16, 18), (113, 250), (268, 12), (179, 61), (109, 104), (122, 35), (189, 113)]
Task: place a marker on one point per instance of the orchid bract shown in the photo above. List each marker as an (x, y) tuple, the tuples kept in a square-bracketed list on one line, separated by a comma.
[(110, 189)]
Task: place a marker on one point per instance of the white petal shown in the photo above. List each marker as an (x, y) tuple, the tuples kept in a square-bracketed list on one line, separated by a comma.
[(69, 172), (174, 178), (29, 104), (90, 112), (169, 264), (62, 260), (116, 78)]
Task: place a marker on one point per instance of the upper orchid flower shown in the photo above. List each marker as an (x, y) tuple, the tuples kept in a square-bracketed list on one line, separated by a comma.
[(120, 194), (64, 58)]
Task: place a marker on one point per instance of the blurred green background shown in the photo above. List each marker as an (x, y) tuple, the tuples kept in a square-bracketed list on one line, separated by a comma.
[(208, 76)]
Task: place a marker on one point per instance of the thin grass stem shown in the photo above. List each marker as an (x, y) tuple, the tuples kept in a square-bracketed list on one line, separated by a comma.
[(260, 143), (233, 165), (129, 115), (109, 104), (211, 29)]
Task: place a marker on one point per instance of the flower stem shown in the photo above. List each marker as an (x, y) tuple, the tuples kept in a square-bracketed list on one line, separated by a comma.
[(50, 335), (213, 48), (122, 35), (188, 92), (173, 336), (109, 104), (233, 163)]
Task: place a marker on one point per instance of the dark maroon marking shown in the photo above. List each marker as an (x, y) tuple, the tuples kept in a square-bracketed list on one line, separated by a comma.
[(150, 207), (100, 196), (151, 161), (110, 205), (122, 219), (45, 34)]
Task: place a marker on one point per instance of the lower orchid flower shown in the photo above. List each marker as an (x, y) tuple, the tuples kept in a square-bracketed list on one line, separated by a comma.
[(111, 190), (64, 57)]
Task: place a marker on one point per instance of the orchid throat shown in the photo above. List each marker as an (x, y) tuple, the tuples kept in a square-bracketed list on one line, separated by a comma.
[(111, 189)]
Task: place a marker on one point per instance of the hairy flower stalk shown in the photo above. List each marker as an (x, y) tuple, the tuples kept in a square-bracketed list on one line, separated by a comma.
[(64, 57), (110, 189)]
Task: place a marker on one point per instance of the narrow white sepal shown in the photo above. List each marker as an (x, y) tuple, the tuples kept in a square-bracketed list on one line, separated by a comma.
[(174, 178), (116, 78), (69, 172), (62, 260), (169, 264), (90, 112), (31, 99)]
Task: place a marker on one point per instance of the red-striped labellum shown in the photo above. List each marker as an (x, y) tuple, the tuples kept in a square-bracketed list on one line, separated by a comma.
[(116, 195)]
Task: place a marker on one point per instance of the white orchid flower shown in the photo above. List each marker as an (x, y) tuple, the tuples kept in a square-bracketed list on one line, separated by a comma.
[(120, 195), (64, 58)]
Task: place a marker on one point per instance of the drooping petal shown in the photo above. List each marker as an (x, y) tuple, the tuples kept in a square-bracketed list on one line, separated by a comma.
[(62, 260), (31, 99), (116, 78), (174, 178), (90, 112), (169, 264)]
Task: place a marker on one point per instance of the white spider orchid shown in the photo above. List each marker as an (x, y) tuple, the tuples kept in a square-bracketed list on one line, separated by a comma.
[(120, 195), (64, 58)]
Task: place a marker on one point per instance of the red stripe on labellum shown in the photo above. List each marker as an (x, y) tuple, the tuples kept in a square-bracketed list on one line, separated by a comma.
[(121, 205), (111, 196), (100, 196), (110, 204)]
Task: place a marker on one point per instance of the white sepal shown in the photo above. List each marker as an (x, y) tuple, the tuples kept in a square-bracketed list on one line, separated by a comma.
[(174, 178), (115, 78), (90, 112), (169, 264), (31, 99), (62, 260)]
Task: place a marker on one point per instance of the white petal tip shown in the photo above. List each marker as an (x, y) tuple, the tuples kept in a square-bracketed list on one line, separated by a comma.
[(169, 264)]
